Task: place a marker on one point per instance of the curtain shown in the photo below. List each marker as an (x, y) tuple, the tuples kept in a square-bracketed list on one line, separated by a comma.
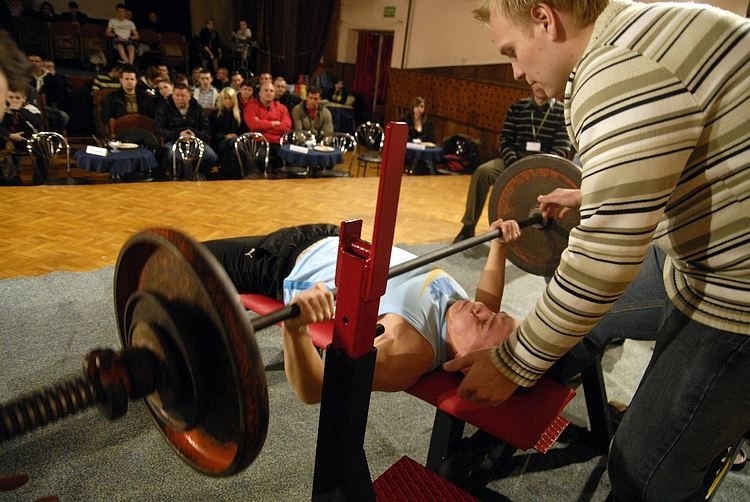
[(370, 46), (292, 34)]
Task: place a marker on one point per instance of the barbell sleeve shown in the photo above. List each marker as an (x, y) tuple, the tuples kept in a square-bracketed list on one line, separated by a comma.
[(292, 310)]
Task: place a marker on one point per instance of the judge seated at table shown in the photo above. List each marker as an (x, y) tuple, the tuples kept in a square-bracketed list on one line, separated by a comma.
[(311, 115)]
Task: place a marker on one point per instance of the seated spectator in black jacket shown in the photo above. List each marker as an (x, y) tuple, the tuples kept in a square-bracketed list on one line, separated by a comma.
[(74, 15), (283, 95), (127, 99), (20, 121), (183, 117)]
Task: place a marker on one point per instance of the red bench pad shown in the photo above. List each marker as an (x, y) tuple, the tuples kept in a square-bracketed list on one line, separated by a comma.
[(410, 480), (529, 419)]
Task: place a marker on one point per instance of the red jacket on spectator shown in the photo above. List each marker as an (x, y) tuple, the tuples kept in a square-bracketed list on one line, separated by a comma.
[(259, 118)]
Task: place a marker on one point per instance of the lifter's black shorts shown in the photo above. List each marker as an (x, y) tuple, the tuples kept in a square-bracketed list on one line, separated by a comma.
[(259, 264)]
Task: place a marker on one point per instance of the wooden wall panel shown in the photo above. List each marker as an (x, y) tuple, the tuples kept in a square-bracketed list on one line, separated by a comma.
[(455, 105)]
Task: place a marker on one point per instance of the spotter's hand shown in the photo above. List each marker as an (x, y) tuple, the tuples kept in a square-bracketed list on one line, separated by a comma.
[(483, 383), (558, 202)]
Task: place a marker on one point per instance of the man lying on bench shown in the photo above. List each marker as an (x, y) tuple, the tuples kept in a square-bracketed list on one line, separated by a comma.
[(427, 316)]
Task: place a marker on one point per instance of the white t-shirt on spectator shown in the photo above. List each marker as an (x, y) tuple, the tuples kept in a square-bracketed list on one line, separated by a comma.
[(123, 29)]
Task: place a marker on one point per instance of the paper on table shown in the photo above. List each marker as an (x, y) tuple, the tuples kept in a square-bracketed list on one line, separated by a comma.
[(96, 150), (298, 149), (415, 146)]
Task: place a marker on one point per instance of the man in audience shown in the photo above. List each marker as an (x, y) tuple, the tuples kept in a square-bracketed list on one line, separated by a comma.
[(205, 94), (245, 95), (124, 33), (222, 78), (282, 94), (236, 81), (311, 115), (45, 83), (270, 118), (74, 15), (182, 116), (127, 99), (109, 80), (262, 79), (532, 125), (211, 50), (20, 121)]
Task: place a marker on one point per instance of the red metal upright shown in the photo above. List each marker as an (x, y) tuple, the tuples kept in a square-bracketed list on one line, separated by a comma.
[(341, 471)]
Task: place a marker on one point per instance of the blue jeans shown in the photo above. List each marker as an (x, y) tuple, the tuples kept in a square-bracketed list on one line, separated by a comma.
[(692, 403), (636, 315)]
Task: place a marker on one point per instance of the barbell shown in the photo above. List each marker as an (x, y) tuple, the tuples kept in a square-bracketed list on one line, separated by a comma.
[(189, 351)]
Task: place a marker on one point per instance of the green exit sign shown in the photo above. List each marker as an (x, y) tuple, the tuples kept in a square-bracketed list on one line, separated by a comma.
[(389, 11)]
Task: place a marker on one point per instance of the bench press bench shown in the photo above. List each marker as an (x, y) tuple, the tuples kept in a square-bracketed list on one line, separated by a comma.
[(530, 419)]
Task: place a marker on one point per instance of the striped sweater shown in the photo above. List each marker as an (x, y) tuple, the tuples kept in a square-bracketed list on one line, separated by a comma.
[(659, 110)]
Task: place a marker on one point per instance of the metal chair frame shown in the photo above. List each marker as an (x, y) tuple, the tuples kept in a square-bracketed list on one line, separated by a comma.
[(190, 149), (48, 144), (369, 136), (250, 146)]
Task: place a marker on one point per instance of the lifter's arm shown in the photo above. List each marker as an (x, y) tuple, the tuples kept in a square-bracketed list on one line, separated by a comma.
[(492, 281)]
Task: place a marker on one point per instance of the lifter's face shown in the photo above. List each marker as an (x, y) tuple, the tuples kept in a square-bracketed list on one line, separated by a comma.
[(472, 325)]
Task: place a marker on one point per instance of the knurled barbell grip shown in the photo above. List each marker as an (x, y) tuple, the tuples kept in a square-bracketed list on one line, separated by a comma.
[(292, 310)]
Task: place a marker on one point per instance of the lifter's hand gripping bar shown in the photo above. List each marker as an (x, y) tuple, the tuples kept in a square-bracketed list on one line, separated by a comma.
[(292, 310)]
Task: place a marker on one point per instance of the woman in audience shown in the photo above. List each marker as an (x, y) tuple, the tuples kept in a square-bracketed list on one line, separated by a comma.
[(227, 126), (420, 129)]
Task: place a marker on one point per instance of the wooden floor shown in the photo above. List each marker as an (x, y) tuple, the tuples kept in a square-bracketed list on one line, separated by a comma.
[(79, 228)]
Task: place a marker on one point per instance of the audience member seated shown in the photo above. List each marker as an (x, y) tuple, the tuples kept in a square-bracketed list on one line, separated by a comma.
[(165, 88), (127, 99), (20, 121), (152, 22), (149, 79), (227, 125), (54, 91), (282, 94), (262, 79), (311, 115), (246, 95), (73, 15), (211, 52), (338, 94), (195, 77), (183, 116), (242, 41), (109, 80), (205, 94), (270, 118), (420, 129), (236, 81), (222, 78), (124, 34), (46, 12), (532, 125), (164, 71)]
